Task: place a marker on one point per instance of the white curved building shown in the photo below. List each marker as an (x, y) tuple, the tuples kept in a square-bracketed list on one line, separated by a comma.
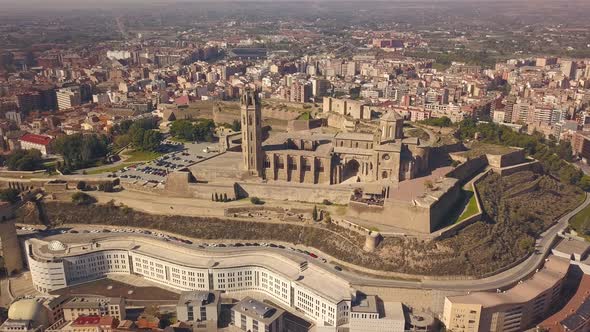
[(320, 295)]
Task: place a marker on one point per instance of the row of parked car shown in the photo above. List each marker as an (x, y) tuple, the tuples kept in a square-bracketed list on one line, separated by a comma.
[(167, 237)]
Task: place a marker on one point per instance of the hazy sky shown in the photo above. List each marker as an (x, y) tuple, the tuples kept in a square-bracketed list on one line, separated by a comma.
[(107, 5)]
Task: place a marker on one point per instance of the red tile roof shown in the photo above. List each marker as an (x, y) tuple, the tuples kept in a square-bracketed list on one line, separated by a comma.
[(182, 100), (36, 139), (87, 320), (552, 323)]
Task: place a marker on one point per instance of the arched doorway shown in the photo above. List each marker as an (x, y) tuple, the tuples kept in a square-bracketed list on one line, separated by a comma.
[(350, 169)]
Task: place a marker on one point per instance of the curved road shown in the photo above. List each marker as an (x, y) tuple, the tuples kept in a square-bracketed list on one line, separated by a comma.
[(499, 281)]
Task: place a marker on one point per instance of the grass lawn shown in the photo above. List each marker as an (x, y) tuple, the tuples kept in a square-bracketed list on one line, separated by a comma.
[(109, 169), (179, 140), (304, 116), (581, 221), (465, 208), (136, 156), (471, 206), (51, 162)]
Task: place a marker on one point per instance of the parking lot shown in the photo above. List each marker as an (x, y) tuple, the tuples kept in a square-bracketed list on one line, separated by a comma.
[(181, 155)]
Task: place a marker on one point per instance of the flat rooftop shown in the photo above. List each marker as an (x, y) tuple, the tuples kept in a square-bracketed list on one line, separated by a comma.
[(315, 278), (367, 304), (260, 311), (80, 302), (554, 271), (276, 143), (415, 189), (570, 246), (478, 149), (394, 311), (582, 295), (229, 161), (199, 297)]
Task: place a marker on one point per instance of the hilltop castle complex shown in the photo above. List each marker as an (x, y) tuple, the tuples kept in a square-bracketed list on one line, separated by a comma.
[(315, 158)]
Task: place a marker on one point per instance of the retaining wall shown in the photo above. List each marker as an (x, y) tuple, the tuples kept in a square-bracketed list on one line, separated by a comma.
[(293, 192)]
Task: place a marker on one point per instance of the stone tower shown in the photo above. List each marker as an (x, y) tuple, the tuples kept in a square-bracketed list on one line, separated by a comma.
[(391, 126), (252, 133)]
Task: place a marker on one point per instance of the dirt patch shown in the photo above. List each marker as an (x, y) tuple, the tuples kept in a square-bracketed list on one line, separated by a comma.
[(512, 219)]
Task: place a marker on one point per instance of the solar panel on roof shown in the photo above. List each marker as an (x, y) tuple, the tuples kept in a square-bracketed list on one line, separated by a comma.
[(573, 322), (584, 309)]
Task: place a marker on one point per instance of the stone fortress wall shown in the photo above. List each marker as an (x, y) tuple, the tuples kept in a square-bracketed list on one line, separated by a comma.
[(426, 219), (267, 112), (294, 192)]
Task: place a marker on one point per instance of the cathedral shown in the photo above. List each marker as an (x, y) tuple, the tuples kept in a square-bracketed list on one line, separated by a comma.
[(316, 158)]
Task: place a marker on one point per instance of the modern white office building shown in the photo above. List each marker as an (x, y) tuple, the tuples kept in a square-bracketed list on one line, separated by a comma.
[(68, 98), (253, 315), (320, 295)]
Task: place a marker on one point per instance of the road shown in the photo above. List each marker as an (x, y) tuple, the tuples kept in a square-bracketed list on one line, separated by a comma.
[(502, 280)]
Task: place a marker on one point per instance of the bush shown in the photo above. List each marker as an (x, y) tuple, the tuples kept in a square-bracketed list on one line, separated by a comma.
[(326, 202), (200, 130), (256, 201), (10, 195), (81, 151), (24, 160), (526, 244), (438, 122), (81, 185), (80, 198)]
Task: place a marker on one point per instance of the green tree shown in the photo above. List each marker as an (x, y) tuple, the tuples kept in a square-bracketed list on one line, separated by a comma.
[(201, 130), (526, 244), (9, 195), (182, 129), (82, 198), (122, 128), (151, 140), (314, 213), (81, 151), (256, 201), (438, 122), (585, 183), (122, 141), (24, 160), (553, 157), (236, 125), (136, 136)]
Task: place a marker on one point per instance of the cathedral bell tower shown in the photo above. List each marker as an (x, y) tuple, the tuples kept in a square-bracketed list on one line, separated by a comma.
[(251, 115)]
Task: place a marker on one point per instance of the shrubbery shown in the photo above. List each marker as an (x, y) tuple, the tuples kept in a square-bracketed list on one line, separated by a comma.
[(80, 151), (142, 134), (553, 156), (9, 195), (81, 198), (24, 160), (256, 201), (438, 122), (201, 130)]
